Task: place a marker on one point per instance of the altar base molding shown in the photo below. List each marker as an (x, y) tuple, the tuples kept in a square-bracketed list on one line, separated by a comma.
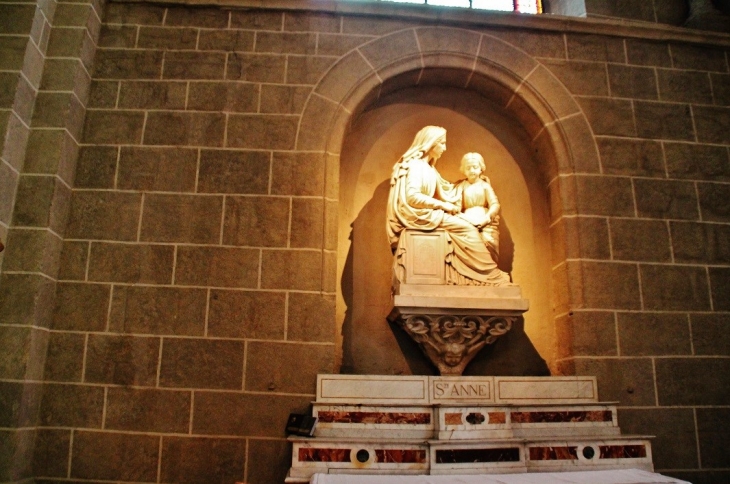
[(463, 425)]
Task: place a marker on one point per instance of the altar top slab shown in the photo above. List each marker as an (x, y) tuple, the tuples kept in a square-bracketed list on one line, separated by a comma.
[(433, 390)]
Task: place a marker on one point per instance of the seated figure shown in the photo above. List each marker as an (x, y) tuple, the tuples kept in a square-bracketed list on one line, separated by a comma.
[(420, 199)]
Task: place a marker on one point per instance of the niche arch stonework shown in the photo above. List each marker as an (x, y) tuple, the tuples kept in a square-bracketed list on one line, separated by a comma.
[(558, 133)]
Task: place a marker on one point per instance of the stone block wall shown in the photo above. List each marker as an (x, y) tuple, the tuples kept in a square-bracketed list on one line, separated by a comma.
[(168, 290), (672, 12), (42, 81), (651, 232), (191, 312)]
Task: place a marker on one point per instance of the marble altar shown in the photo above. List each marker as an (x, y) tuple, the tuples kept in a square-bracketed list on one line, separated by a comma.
[(431, 425)]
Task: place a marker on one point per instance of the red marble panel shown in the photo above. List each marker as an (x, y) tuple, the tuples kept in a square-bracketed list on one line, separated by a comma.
[(554, 453), (497, 417), (310, 454), (406, 456), (562, 417), (452, 418), (375, 417), (622, 451), (457, 456)]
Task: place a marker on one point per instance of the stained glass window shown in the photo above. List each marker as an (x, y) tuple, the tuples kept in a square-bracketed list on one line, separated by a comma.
[(503, 5), (522, 6)]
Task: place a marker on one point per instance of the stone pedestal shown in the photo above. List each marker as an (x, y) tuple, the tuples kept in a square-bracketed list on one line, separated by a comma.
[(463, 425), (452, 323)]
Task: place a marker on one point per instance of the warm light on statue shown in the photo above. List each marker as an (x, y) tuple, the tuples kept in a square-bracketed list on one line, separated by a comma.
[(420, 199), (449, 294), (479, 202)]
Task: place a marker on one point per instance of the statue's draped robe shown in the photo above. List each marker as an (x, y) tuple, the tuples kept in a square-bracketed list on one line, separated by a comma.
[(416, 188), (478, 201)]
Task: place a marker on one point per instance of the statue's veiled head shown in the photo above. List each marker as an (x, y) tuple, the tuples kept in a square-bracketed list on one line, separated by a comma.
[(430, 140)]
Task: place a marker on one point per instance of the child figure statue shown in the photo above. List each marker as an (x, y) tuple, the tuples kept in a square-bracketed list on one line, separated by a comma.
[(480, 205)]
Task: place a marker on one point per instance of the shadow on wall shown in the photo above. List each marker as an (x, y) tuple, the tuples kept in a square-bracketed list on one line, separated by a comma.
[(506, 247), (369, 348), (512, 355), (389, 350)]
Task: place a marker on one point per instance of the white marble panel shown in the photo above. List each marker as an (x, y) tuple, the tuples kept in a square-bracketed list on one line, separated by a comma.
[(567, 433), (546, 390), (367, 389), (425, 253), (481, 292), (459, 305), (389, 390)]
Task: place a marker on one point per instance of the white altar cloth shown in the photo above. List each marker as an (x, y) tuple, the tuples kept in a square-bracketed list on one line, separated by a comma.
[(622, 476)]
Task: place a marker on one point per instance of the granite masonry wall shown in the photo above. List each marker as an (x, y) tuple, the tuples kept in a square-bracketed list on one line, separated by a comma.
[(46, 49), (672, 12), (168, 287)]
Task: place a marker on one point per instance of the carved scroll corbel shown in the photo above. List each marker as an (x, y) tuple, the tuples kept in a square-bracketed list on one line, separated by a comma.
[(451, 342)]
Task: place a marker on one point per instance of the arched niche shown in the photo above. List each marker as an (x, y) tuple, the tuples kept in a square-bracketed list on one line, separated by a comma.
[(377, 137), (516, 99)]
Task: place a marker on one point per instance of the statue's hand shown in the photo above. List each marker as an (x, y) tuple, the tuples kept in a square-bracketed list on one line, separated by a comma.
[(449, 207)]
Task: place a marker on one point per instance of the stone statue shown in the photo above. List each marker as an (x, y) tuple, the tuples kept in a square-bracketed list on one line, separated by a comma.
[(421, 200), (479, 202), (448, 294)]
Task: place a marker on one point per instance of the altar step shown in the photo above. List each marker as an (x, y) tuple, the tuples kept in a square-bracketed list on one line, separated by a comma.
[(409, 456), (465, 422)]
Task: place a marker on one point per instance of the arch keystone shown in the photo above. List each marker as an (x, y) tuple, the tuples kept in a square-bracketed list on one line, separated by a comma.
[(446, 60)]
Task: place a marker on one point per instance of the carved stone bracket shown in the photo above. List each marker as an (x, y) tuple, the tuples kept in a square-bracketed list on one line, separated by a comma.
[(450, 341)]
